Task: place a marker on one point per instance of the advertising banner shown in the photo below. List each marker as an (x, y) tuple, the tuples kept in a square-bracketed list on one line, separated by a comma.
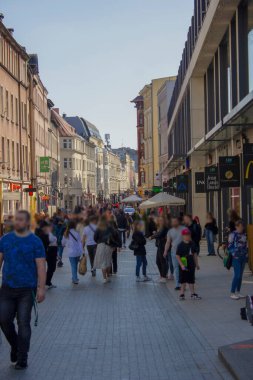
[(229, 171)]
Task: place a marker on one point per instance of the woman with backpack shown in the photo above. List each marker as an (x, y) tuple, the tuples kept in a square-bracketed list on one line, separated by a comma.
[(73, 248), (211, 230), (106, 240), (238, 249)]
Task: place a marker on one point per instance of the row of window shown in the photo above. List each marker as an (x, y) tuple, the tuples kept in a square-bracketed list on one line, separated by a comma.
[(229, 77), (9, 108), (78, 164), (10, 59), (10, 156)]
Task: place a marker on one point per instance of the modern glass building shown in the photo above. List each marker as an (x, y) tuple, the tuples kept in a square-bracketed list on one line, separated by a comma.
[(210, 118)]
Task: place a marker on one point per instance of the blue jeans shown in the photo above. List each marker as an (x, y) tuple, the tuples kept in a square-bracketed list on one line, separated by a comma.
[(60, 251), (170, 263), (141, 261), (210, 242), (176, 269), (74, 265), (17, 304), (238, 265)]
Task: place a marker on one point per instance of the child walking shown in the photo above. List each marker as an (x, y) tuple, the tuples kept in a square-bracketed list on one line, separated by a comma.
[(188, 260), (138, 246)]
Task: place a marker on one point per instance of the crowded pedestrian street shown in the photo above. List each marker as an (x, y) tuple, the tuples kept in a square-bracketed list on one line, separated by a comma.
[(126, 190), (133, 331)]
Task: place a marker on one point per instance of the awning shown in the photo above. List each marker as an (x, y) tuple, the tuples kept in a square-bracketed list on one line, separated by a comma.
[(175, 161), (162, 199), (132, 199)]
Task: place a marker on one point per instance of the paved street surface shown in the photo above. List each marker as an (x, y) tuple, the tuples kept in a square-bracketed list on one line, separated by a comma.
[(133, 331)]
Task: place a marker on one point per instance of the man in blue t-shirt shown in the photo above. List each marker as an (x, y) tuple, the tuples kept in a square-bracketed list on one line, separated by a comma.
[(24, 274)]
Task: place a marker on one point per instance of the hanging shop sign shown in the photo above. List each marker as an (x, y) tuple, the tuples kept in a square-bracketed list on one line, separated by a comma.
[(229, 171), (182, 183), (212, 178), (157, 189), (166, 186), (248, 164), (171, 189), (174, 184), (199, 182), (44, 164)]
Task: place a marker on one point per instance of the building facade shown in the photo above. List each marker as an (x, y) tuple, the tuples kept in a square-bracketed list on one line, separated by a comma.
[(139, 105), (150, 167), (14, 124), (163, 98), (73, 164), (210, 132), (86, 130)]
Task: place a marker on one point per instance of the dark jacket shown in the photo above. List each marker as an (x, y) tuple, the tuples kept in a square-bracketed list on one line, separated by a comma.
[(196, 232), (43, 237), (109, 236), (212, 227), (121, 221), (151, 227), (161, 238), (139, 239)]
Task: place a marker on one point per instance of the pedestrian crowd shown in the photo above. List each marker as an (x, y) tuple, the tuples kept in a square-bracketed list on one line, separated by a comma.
[(29, 260)]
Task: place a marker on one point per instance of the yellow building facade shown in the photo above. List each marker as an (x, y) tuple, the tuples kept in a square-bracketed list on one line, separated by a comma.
[(151, 135)]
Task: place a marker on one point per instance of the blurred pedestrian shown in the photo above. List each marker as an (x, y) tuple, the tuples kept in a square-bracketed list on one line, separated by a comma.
[(238, 248), (188, 261), (103, 238), (138, 243), (73, 248), (195, 229), (22, 255), (174, 238), (161, 238), (211, 230), (91, 245), (122, 226)]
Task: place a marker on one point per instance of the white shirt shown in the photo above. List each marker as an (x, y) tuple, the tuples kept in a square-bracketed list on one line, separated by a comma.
[(73, 244), (89, 232)]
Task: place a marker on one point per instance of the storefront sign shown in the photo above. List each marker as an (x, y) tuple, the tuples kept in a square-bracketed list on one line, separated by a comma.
[(211, 178), (199, 182), (182, 183), (229, 171), (44, 164), (248, 164), (15, 186)]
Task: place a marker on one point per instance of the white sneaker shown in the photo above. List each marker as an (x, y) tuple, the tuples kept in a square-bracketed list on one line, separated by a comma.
[(234, 296), (146, 278), (162, 280), (240, 295), (105, 280), (138, 279)]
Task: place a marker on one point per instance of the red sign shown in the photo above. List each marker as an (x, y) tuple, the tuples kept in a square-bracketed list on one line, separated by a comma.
[(15, 186)]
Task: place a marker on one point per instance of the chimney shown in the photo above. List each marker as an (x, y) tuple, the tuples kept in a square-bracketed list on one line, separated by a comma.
[(11, 31), (64, 115), (56, 110), (1, 17)]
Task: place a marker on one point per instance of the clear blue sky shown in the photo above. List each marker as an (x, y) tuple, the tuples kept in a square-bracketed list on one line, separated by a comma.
[(96, 55)]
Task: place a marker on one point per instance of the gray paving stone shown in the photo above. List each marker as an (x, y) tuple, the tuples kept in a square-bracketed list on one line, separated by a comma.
[(130, 331)]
